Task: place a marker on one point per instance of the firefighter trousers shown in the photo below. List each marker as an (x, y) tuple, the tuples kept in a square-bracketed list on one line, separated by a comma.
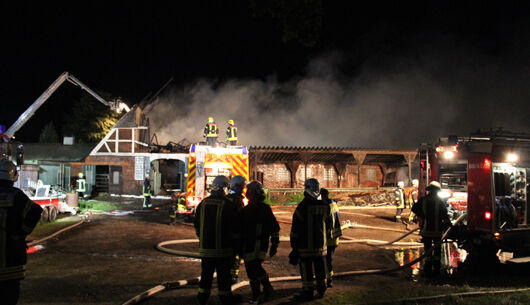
[(147, 202), (257, 276), (312, 268), (9, 291), (432, 261), (208, 266), (329, 262), (210, 141)]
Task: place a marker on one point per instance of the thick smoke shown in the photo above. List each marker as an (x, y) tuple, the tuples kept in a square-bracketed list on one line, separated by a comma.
[(416, 101)]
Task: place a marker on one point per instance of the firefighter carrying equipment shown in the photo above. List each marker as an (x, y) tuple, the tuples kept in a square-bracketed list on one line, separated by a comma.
[(18, 217), (231, 133)]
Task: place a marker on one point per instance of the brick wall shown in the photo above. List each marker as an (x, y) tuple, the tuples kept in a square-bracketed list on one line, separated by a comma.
[(277, 175)]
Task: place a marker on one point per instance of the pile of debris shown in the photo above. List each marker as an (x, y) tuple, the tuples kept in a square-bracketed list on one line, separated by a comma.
[(365, 198)]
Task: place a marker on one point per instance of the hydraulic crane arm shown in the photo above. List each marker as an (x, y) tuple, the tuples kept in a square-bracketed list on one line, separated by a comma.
[(65, 76)]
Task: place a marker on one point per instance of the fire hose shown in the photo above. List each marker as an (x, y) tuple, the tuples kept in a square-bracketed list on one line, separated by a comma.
[(176, 284), (36, 242)]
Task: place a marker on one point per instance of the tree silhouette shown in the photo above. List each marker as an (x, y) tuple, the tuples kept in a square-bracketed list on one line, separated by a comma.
[(49, 134)]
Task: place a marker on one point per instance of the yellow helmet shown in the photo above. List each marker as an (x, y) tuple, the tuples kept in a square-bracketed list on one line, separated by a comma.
[(231, 122), (80, 175), (210, 120)]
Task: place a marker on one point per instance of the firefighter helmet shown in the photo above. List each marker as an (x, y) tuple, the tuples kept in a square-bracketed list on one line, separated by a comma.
[(220, 183), (415, 182), (312, 187), (401, 184), (231, 122), (255, 191), (237, 184), (210, 120), (8, 171), (434, 185), (80, 175)]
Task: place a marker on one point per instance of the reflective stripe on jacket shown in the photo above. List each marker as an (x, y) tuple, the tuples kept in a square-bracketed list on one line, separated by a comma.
[(399, 198), (335, 228), (81, 185), (18, 217), (211, 130), (231, 133), (217, 226), (309, 231), (413, 196)]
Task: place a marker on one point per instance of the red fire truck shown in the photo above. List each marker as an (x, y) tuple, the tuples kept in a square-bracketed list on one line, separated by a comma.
[(485, 175)]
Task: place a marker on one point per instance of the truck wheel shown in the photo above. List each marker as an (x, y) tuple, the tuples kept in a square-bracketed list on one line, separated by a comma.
[(44, 216), (52, 214)]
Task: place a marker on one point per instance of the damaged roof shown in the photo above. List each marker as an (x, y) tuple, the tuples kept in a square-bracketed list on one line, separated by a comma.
[(57, 151)]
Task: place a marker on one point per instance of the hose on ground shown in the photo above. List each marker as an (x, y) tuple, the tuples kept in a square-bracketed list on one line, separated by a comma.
[(172, 285), (35, 242)]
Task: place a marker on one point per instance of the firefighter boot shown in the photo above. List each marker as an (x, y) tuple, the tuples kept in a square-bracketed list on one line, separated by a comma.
[(203, 297), (256, 294), (329, 282), (267, 289)]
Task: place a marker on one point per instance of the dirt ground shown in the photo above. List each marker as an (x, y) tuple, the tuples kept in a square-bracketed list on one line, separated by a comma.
[(110, 259)]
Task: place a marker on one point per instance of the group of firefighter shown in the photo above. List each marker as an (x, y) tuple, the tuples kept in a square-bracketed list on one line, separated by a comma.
[(229, 231), (211, 132)]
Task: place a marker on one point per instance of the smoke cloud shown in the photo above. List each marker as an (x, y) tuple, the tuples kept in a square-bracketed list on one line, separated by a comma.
[(416, 100)]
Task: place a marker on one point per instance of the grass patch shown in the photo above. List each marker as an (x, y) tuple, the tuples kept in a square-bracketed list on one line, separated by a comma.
[(47, 228), (96, 205)]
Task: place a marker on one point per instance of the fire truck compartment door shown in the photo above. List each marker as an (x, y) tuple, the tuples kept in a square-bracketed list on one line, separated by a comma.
[(480, 193)]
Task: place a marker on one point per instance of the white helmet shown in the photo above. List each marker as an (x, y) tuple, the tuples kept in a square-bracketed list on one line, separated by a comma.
[(401, 184), (434, 185), (8, 171), (415, 182)]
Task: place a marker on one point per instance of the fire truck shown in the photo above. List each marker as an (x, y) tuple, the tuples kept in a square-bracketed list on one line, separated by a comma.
[(207, 162), (485, 175)]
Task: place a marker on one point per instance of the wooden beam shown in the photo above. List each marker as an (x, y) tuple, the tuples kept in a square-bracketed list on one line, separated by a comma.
[(293, 166), (359, 158), (340, 168)]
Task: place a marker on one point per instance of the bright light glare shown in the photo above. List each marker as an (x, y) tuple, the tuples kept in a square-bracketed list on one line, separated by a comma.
[(512, 157), (122, 106), (449, 155), (444, 194)]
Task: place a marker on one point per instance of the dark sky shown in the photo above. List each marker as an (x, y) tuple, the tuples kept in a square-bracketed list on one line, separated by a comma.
[(480, 49)]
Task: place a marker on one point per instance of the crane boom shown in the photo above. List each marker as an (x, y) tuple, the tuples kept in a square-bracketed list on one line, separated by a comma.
[(65, 76)]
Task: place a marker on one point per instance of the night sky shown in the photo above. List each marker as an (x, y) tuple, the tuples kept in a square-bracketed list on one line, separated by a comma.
[(475, 53)]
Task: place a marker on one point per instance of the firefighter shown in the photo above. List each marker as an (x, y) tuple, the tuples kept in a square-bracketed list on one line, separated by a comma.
[(237, 184), (413, 198), (18, 217), (400, 200), (217, 226), (211, 132), (178, 206), (309, 232), (231, 133), (258, 226), (434, 220), (335, 231), (81, 186), (146, 190)]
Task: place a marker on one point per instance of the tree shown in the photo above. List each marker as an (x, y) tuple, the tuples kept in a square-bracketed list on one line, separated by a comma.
[(49, 134), (89, 121)]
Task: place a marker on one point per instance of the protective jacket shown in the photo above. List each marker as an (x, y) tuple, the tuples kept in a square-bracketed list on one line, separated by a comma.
[(433, 215), (258, 226), (237, 199), (399, 194), (217, 226), (310, 228), (18, 217), (413, 196), (335, 230), (81, 185), (231, 133), (211, 130)]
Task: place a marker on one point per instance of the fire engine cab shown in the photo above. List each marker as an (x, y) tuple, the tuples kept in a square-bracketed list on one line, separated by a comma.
[(207, 162), (485, 175)]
